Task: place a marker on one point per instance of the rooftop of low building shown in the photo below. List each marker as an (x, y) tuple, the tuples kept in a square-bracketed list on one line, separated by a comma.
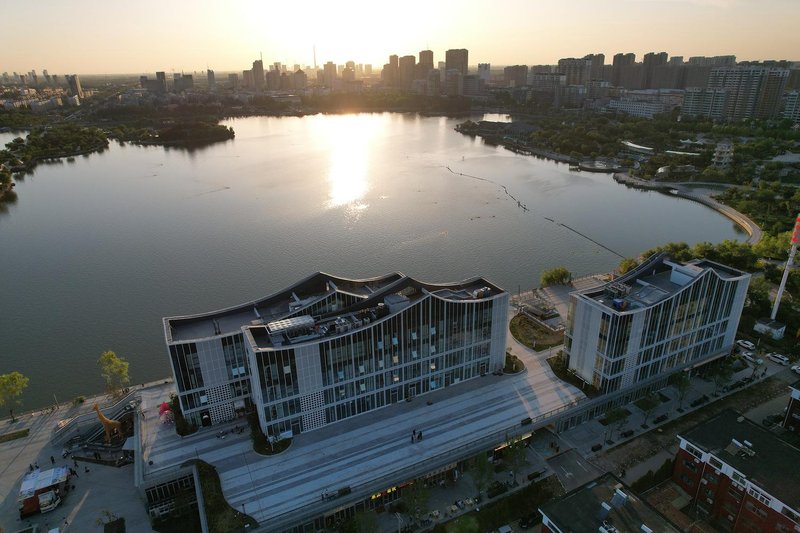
[(605, 502), (761, 456)]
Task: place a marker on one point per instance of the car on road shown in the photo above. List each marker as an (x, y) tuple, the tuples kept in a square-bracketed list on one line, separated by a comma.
[(796, 369), (778, 358), (746, 345), (751, 356)]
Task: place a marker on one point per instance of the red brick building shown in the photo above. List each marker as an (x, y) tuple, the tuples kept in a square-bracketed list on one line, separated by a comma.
[(740, 476)]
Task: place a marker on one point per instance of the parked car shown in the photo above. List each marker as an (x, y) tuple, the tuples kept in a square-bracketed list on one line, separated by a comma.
[(747, 345), (751, 356), (796, 369), (778, 358)]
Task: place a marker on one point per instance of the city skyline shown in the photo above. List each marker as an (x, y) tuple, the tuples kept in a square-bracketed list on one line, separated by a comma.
[(228, 37)]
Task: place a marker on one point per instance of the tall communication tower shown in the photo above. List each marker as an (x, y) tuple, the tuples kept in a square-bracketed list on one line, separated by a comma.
[(788, 268)]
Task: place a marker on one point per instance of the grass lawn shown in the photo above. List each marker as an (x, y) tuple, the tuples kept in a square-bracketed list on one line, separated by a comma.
[(533, 335), (14, 435)]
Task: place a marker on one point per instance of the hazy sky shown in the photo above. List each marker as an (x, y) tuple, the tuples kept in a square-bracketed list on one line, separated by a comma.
[(99, 36)]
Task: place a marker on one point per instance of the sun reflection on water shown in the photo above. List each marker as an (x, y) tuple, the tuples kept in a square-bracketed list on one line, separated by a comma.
[(349, 139)]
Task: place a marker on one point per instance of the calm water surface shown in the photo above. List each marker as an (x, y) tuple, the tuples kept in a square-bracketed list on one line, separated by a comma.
[(97, 250)]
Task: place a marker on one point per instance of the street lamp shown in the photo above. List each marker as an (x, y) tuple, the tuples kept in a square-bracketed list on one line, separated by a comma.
[(399, 521)]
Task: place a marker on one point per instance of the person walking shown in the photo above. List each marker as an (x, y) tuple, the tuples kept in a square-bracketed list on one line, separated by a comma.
[(52, 460)]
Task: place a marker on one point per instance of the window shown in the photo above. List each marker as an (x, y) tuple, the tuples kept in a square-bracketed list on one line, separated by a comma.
[(716, 463), (694, 451)]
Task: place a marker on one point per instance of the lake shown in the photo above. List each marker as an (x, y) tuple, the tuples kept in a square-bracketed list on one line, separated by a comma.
[(96, 251)]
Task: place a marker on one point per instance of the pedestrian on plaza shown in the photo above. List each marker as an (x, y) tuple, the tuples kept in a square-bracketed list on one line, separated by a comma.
[(52, 460), (36, 466), (413, 439), (86, 469), (419, 436), (75, 461), (30, 466)]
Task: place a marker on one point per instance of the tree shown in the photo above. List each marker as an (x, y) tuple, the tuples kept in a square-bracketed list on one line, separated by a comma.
[(648, 405), (481, 472), (721, 374), (516, 453), (682, 382), (11, 386), (114, 371), (617, 416), (416, 498), (555, 276), (362, 522), (627, 264)]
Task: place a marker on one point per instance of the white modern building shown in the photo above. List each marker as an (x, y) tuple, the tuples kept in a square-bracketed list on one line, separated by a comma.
[(656, 319), (329, 348)]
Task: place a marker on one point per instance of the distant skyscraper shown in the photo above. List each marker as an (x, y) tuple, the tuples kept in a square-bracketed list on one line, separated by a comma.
[(716, 61), (329, 70), (258, 75), (348, 75), (233, 79), (578, 71), (598, 61), (75, 85), (457, 59), (485, 72), (453, 82), (161, 78), (515, 76), (651, 61), (273, 81), (212, 81), (300, 80), (425, 64), (393, 76), (434, 86), (755, 92), (368, 70), (621, 61), (247, 79), (406, 71)]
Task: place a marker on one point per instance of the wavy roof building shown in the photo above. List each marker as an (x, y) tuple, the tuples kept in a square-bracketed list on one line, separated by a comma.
[(329, 348), (656, 319)]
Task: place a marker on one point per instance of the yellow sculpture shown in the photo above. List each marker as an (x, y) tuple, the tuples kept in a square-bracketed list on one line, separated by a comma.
[(108, 425)]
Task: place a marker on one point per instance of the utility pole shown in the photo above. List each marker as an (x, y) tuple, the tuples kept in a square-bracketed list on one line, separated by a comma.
[(788, 268)]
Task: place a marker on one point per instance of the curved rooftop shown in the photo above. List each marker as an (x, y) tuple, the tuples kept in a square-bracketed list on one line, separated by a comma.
[(303, 295)]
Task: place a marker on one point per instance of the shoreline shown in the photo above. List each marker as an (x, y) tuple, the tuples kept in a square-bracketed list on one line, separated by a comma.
[(680, 190)]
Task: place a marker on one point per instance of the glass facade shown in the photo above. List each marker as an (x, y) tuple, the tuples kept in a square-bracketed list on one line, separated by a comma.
[(315, 377), (696, 321), (432, 343)]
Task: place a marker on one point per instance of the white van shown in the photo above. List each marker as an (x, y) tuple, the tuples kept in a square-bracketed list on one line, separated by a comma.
[(778, 358)]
